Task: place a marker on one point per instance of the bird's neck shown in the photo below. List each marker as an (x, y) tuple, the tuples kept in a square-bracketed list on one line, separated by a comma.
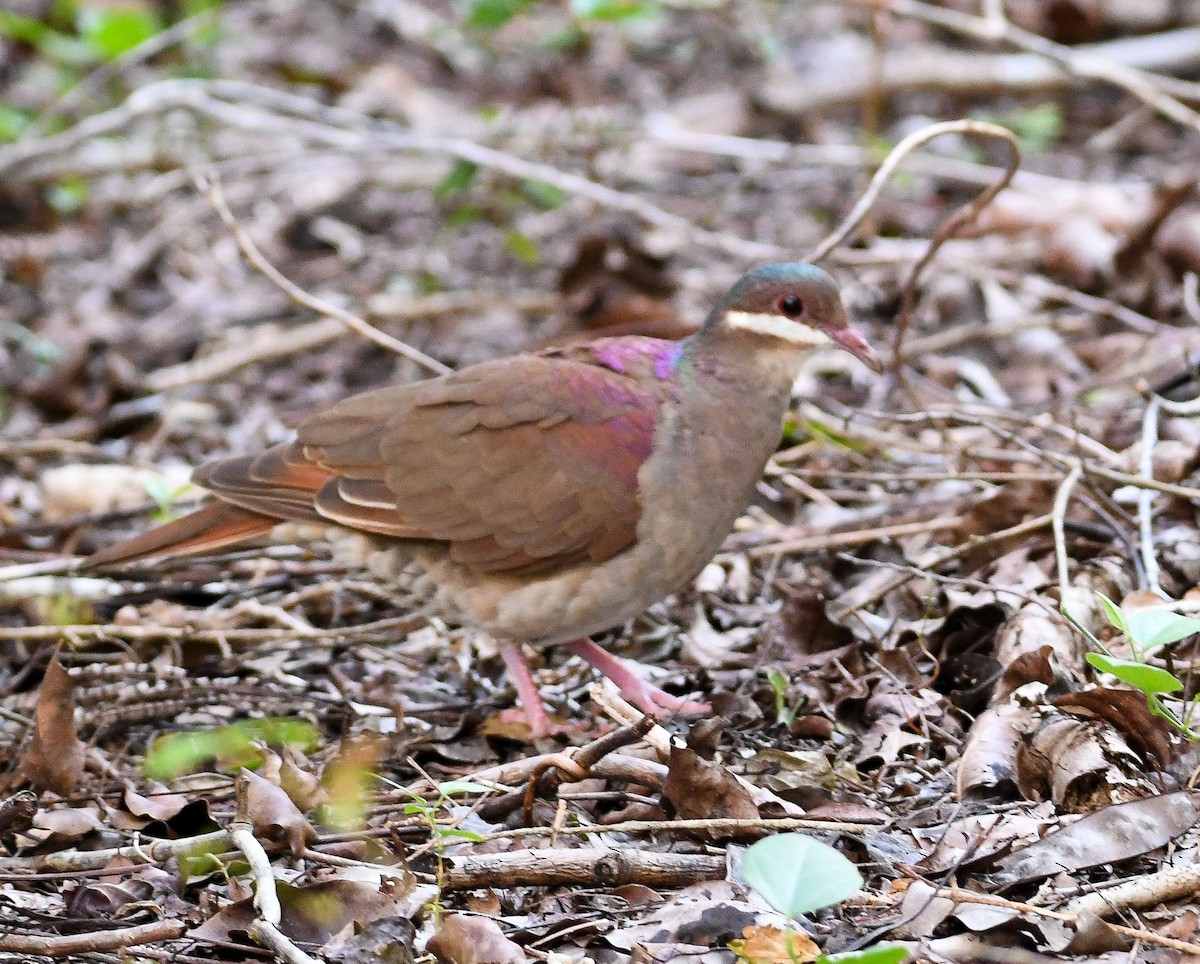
[(738, 358)]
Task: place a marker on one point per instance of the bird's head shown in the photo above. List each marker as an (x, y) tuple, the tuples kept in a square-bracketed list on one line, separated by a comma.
[(797, 303)]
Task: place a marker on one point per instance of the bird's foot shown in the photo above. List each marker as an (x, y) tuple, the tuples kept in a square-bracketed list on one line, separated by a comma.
[(645, 696), (534, 710)]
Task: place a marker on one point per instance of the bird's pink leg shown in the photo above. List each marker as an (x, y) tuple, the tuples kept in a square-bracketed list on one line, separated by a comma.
[(645, 696), (540, 724)]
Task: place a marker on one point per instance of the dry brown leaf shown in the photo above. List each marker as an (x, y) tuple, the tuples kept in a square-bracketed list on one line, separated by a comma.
[(69, 823), (287, 771), (388, 940), (1108, 836), (71, 490), (1081, 765), (473, 940), (1036, 626), (310, 915), (771, 945), (698, 788), (978, 840), (273, 815), (160, 806), (346, 781), (55, 756), (1128, 712), (989, 758)]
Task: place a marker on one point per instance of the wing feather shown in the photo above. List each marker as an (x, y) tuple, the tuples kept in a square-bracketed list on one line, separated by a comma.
[(517, 466)]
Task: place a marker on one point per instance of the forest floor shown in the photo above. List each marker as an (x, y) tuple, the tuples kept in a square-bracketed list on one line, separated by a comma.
[(893, 639)]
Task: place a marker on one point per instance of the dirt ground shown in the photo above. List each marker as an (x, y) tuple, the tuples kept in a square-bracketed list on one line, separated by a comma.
[(893, 638)]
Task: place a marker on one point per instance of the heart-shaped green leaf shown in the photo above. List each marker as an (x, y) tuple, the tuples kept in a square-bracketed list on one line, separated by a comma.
[(796, 874)]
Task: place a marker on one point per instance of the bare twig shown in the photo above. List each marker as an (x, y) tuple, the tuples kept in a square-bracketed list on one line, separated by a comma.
[(1145, 500), (105, 73), (273, 939), (92, 942), (1058, 517), (840, 540), (266, 898), (1191, 296), (144, 852), (893, 161), (552, 867), (384, 628), (1141, 934), (1148, 890), (269, 112), (958, 220), (212, 190)]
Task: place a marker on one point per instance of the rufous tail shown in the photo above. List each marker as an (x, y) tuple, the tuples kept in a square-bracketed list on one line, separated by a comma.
[(206, 530)]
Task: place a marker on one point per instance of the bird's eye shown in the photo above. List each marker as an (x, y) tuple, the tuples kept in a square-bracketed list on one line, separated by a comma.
[(791, 306)]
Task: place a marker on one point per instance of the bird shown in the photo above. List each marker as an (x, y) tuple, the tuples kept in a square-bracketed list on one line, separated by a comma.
[(544, 497)]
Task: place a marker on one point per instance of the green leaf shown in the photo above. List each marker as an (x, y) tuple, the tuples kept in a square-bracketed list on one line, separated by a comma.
[(230, 747), (1113, 612), (523, 246), (459, 178), (884, 954), (544, 195), (613, 10), (796, 874), (451, 787), (459, 832), (55, 46), (12, 122), (818, 430), (1036, 128), (68, 196), (115, 31), (23, 29), (1154, 626), (193, 7), (1148, 679), (490, 14), (465, 214)]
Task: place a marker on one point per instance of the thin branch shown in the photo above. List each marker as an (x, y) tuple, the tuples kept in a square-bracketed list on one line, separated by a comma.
[(267, 112), (1145, 499), (270, 346), (266, 897), (145, 852), (958, 220), (840, 540), (212, 190), (92, 942), (1058, 515), (893, 161)]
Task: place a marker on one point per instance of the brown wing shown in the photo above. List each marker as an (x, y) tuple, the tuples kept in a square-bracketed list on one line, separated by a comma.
[(522, 465)]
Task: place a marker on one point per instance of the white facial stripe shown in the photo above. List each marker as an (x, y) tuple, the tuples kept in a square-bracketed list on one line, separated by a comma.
[(779, 327)]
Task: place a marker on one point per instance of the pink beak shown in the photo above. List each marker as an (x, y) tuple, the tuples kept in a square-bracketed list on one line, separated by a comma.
[(853, 341)]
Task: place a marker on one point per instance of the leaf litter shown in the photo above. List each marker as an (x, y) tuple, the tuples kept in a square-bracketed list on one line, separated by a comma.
[(881, 636)]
